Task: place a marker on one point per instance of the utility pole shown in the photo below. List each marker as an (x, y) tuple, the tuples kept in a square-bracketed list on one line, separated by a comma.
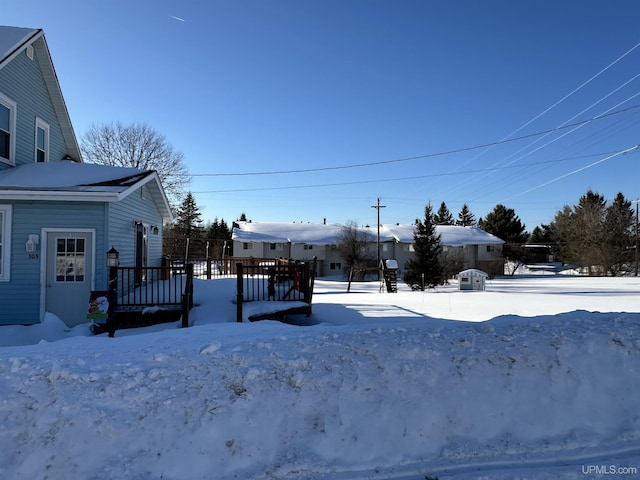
[(378, 207)]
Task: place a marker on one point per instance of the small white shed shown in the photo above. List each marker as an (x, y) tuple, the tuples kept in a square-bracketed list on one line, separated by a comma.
[(472, 279)]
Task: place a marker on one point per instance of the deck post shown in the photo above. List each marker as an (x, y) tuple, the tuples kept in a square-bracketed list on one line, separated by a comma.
[(239, 292), (185, 310), (113, 300), (189, 286), (306, 282)]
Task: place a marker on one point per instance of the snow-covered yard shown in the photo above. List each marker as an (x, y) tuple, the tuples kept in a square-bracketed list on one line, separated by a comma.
[(538, 378)]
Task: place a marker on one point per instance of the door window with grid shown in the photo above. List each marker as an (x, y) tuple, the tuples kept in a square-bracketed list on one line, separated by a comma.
[(70, 260)]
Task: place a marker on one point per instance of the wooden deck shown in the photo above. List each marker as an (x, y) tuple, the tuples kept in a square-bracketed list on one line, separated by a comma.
[(273, 290), (148, 296)]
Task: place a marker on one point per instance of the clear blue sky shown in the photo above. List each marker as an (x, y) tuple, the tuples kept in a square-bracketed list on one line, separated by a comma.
[(283, 85)]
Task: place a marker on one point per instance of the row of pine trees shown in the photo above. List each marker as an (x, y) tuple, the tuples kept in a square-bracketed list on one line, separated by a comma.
[(190, 237), (593, 235)]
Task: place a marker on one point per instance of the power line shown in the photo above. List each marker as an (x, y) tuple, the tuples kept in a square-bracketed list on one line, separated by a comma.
[(566, 122), (556, 139), (586, 82), (413, 177), (593, 77), (418, 157), (578, 170)]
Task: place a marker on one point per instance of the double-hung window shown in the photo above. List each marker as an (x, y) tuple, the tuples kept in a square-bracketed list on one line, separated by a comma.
[(42, 141), (5, 241), (7, 129)]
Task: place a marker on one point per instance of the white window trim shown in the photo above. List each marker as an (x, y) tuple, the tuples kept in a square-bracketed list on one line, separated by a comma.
[(12, 106), (5, 256), (44, 126)]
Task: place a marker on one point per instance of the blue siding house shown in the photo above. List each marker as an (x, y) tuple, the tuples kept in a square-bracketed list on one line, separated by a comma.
[(59, 215)]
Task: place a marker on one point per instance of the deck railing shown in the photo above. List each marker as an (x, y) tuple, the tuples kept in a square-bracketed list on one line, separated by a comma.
[(273, 280), (139, 287), (217, 267)]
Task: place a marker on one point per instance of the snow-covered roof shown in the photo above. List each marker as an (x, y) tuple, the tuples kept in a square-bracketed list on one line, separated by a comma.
[(327, 234), (73, 181), (451, 235), (282, 232), (472, 272), (14, 41)]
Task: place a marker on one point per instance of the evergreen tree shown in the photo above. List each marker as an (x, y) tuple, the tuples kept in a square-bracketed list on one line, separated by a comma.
[(188, 225), (595, 236), (619, 226), (562, 232), (588, 232), (243, 218), (505, 224), (541, 235), (424, 269), (219, 236), (465, 217), (444, 217)]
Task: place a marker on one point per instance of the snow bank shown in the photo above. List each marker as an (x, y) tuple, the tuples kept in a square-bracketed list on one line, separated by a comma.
[(415, 397)]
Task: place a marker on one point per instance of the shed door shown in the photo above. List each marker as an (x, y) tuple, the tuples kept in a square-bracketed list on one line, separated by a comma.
[(69, 274)]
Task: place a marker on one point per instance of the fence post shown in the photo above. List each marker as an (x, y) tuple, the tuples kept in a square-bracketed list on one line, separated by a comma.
[(208, 268), (113, 300), (239, 292), (190, 283), (185, 310), (165, 273), (306, 282)]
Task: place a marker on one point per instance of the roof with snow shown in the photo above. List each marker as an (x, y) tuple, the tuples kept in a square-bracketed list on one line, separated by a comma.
[(12, 38), (72, 181), (451, 235), (472, 272), (276, 232), (327, 234), (14, 41)]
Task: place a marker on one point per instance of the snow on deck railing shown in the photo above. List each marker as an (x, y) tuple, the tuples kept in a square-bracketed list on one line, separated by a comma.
[(151, 286), (211, 267), (274, 282)]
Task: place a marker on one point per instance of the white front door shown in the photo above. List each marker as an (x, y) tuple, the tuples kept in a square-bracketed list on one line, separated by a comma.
[(69, 275)]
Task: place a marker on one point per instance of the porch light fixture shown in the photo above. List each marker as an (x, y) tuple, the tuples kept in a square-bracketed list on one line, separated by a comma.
[(32, 244), (67, 158), (113, 258)]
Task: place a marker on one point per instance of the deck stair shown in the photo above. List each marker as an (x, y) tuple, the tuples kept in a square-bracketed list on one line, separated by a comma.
[(388, 275), (391, 280)]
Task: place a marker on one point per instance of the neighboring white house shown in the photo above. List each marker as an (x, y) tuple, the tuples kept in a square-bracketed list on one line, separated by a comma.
[(304, 241), (474, 247), (298, 241)]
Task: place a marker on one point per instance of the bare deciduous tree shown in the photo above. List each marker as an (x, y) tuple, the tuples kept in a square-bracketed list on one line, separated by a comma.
[(137, 146), (352, 245)]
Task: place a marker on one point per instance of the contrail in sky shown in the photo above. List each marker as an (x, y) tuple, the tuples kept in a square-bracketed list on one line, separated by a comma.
[(177, 18)]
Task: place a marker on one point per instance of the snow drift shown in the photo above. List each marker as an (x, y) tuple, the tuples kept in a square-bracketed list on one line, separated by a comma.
[(413, 398)]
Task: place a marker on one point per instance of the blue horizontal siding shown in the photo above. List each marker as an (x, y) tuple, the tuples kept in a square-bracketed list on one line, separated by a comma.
[(20, 297), (21, 80), (121, 231)]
